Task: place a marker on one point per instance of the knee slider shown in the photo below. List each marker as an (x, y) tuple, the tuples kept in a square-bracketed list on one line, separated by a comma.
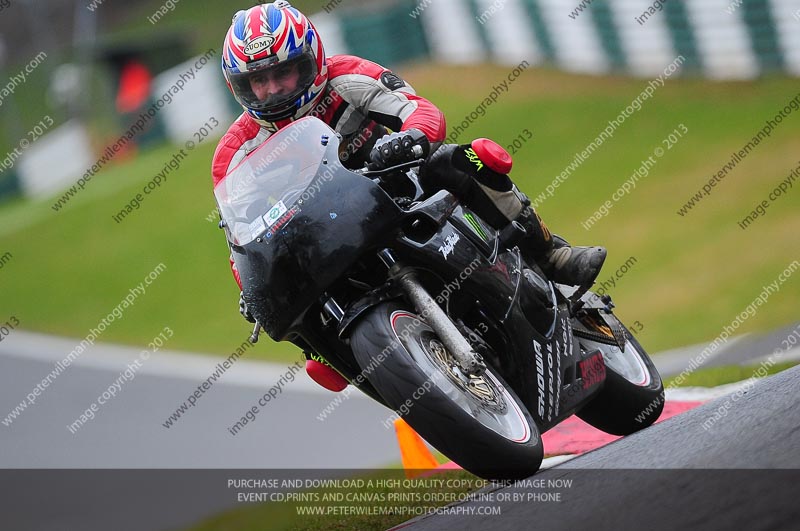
[(487, 162), (493, 155)]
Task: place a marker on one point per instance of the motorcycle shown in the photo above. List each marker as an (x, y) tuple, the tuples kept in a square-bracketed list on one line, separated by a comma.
[(427, 309)]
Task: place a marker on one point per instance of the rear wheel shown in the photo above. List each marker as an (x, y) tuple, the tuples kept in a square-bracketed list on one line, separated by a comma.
[(632, 397), (478, 422)]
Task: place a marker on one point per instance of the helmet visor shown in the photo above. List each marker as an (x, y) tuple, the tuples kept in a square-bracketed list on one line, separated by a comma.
[(271, 85)]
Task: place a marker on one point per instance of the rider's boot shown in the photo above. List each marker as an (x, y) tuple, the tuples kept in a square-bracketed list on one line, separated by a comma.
[(560, 262)]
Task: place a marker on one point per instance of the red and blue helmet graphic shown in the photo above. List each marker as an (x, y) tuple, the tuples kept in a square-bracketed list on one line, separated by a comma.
[(270, 35)]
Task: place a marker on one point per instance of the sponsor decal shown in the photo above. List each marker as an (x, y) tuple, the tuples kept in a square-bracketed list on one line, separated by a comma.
[(282, 222), (565, 345), (449, 245), (539, 377), (275, 213), (593, 370), (257, 227), (473, 223), (320, 359), (567, 340), (473, 158), (259, 44), (550, 378)]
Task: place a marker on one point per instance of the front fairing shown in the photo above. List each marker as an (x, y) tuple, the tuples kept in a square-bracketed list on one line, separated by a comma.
[(310, 233)]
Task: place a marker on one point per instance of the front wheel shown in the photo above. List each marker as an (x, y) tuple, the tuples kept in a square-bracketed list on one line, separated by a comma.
[(632, 397), (478, 422)]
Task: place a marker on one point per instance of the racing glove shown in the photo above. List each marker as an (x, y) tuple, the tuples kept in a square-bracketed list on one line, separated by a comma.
[(243, 309), (397, 148)]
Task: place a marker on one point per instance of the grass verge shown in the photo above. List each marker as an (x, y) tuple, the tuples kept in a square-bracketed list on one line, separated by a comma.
[(714, 376)]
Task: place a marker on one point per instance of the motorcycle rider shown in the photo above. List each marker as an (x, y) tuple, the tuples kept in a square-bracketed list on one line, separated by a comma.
[(275, 66)]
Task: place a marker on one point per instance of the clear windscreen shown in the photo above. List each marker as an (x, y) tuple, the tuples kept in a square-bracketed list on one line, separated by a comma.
[(263, 188)]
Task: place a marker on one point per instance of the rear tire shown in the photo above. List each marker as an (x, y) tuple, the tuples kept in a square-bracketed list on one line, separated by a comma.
[(624, 406), (479, 423)]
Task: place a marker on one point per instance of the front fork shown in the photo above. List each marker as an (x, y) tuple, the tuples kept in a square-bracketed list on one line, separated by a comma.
[(470, 362)]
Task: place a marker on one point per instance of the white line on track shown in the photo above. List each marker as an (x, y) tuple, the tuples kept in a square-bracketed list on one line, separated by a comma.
[(165, 363)]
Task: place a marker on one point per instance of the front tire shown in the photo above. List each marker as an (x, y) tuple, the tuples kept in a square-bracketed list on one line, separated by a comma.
[(478, 422), (632, 397)]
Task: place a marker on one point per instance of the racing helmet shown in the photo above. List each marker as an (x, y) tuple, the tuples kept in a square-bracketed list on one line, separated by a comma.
[(274, 63)]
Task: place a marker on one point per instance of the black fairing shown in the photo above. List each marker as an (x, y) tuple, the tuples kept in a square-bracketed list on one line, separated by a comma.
[(286, 273)]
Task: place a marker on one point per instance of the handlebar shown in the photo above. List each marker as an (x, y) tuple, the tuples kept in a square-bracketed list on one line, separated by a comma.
[(380, 173)]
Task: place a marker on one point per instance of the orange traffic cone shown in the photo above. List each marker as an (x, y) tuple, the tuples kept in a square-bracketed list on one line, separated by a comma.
[(417, 459)]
